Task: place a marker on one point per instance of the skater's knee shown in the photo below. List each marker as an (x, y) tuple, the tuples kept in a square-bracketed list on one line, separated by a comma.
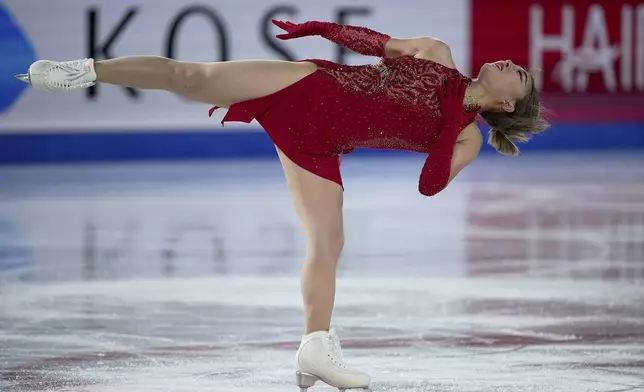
[(186, 77), (327, 245)]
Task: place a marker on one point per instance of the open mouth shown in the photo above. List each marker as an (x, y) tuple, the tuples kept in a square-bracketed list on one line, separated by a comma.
[(500, 66)]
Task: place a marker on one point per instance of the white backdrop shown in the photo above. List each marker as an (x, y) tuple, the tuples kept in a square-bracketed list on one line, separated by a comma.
[(61, 30)]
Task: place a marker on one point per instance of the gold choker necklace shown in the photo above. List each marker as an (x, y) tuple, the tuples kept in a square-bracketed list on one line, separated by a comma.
[(469, 102)]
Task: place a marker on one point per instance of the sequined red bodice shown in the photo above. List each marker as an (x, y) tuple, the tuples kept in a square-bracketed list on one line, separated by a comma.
[(390, 105)]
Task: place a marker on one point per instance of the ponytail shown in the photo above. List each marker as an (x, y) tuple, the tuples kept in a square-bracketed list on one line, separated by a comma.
[(501, 143)]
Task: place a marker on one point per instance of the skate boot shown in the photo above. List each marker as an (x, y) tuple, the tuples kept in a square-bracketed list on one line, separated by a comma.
[(319, 358), (48, 75)]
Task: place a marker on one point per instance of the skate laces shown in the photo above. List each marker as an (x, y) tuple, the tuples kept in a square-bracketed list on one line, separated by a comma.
[(334, 345)]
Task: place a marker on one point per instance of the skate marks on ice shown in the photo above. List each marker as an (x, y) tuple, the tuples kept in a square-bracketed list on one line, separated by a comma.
[(226, 332)]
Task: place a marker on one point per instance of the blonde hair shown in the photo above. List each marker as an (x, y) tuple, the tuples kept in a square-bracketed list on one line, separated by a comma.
[(509, 128)]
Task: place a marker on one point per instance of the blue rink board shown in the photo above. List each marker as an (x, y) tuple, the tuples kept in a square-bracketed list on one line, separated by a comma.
[(101, 146)]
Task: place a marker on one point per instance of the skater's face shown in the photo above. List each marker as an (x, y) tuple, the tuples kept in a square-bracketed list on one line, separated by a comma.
[(505, 82)]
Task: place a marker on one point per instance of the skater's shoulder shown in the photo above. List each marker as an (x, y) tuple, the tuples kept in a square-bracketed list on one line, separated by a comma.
[(437, 51)]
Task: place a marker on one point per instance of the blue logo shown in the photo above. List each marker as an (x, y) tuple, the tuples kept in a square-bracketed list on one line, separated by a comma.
[(17, 55)]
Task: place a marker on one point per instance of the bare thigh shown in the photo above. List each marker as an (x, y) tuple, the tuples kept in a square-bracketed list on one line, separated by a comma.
[(225, 83), (318, 202)]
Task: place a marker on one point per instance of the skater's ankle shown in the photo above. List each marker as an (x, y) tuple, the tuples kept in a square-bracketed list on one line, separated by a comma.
[(313, 331)]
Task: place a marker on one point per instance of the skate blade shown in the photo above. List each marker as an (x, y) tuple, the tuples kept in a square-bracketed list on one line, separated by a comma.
[(306, 380), (24, 78)]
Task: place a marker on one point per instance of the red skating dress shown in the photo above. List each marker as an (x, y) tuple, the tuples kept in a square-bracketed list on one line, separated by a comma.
[(338, 108)]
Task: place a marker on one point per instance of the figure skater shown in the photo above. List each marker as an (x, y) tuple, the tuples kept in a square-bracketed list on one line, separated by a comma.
[(316, 110)]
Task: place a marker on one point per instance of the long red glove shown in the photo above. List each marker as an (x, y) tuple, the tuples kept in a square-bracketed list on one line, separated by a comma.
[(438, 165), (359, 39)]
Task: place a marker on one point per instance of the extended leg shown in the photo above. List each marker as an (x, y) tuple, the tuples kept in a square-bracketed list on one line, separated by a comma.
[(221, 84)]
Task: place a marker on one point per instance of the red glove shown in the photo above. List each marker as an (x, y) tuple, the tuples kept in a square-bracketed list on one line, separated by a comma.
[(453, 94), (359, 39), (438, 165)]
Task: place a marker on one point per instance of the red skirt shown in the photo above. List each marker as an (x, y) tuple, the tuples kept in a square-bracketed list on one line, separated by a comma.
[(294, 120)]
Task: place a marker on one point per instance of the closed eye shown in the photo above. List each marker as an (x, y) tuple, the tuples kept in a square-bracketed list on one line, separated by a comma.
[(523, 76)]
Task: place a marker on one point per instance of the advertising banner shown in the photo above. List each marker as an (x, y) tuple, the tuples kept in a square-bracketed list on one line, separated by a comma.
[(185, 30), (588, 55)]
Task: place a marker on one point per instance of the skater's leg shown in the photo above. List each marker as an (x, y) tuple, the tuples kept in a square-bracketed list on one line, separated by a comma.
[(221, 83), (318, 203)]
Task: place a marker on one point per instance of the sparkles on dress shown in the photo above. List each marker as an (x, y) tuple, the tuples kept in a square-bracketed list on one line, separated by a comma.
[(390, 105)]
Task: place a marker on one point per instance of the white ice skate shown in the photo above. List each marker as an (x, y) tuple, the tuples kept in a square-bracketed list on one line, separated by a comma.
[(48, 75), (319, 358)]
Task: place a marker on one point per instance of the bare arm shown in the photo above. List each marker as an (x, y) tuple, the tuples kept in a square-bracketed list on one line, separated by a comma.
[(469, 141), (442, 166), (418, 47), (466, 149)]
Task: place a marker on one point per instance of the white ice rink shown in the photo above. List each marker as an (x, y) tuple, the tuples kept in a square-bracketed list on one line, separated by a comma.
[(525, 275)]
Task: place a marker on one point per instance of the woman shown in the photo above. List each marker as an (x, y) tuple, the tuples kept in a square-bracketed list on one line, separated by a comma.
[(316, 110)]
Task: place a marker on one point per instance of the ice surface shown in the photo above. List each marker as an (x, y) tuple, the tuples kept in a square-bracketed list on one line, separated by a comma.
[(522, 276)]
